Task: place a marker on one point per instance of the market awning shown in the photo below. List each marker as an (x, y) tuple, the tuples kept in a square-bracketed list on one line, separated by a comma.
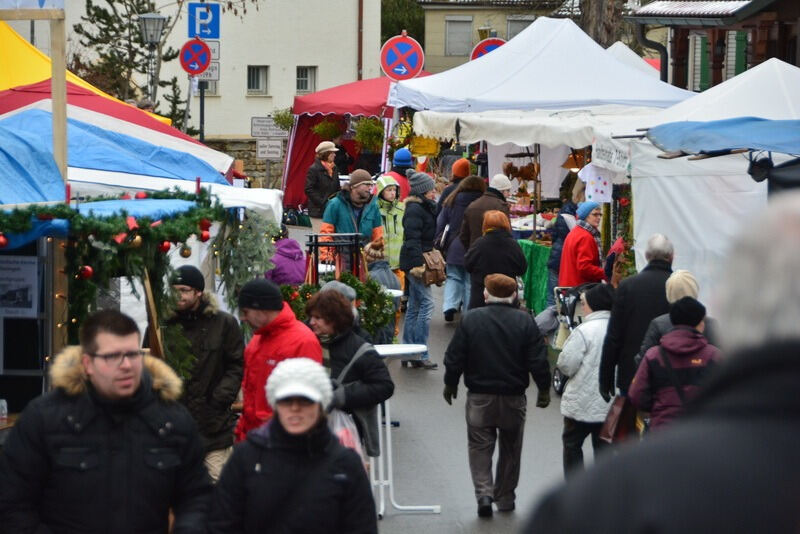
[(705, 13), (724, 135)]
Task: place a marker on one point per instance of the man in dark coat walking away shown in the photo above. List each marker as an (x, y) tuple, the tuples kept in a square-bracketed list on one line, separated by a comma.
[(730, 463), (639, 299), (216, 375), (493, 199), (460, 170), (109, 448), (495, 347)]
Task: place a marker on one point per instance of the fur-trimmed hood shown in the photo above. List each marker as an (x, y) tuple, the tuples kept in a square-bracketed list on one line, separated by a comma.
[(67, 373), (208, 303)]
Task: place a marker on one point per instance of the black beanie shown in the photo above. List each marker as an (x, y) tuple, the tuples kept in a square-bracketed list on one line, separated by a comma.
[(687, 312), (600, 297), (189, 276), (260, 294)]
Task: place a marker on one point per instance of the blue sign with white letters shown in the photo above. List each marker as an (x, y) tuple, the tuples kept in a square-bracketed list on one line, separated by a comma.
[(204, 18)]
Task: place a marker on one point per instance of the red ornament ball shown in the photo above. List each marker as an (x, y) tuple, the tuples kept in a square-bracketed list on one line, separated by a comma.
[(624, 201), (204, 224), (205, 235), (140, 195), (85, 272), (164, 246), (3, 241), (125, 196), (295, 295)]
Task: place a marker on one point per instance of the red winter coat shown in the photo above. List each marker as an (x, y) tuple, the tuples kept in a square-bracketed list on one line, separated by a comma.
[(283, 338), (580, 259)]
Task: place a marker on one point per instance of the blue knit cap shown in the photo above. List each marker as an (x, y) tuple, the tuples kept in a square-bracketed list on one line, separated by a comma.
[(402, 158), (585, 208)]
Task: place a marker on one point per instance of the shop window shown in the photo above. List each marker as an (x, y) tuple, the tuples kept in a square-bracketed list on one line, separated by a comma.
[(515, 25)]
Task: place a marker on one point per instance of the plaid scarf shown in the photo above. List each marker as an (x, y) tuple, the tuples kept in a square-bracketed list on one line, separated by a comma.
[(596, 234)]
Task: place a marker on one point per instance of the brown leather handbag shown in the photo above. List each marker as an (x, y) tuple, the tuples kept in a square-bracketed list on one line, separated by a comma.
[(434, 268), (620, 423)]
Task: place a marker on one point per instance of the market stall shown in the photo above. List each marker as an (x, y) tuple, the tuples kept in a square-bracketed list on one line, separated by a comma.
[(699, 205)]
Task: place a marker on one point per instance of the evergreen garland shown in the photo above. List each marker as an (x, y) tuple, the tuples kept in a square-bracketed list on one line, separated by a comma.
[(243, 251)]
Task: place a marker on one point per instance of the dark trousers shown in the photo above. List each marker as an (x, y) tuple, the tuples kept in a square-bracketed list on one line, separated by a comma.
[(575, 432), (490, 417)]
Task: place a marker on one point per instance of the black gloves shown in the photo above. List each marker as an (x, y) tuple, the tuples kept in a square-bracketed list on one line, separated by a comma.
[(543, 399), (450, 393)]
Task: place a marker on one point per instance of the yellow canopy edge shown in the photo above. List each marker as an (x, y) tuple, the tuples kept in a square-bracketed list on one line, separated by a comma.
[(21, 63)]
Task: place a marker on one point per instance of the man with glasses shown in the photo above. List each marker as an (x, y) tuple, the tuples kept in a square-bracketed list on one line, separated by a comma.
[(109, 448), (580, 255), (216, 374)]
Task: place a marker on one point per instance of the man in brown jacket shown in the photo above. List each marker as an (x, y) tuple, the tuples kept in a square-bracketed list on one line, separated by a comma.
[(493, 199)]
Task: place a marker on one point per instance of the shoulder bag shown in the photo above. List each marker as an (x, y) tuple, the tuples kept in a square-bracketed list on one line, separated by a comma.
[(366, 418), (434, 268), (620, 423)]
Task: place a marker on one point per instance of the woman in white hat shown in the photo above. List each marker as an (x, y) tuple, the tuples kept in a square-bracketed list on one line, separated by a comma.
[(322, 179), (292, 474)]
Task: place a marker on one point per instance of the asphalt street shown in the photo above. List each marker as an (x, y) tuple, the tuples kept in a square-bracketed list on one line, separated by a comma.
[(430, 449)]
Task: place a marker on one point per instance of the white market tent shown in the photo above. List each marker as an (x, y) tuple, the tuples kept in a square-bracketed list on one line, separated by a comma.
[(623, 53), (552, 64), (700, 205)]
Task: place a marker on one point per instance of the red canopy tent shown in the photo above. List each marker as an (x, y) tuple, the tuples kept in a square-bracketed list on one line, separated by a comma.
[(112, 115), (365, 98)]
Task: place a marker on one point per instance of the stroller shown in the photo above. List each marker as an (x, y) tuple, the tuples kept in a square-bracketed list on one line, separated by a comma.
[(569, 315)]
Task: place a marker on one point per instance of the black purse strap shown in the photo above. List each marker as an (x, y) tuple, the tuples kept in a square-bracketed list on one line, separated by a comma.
[(673, 377)]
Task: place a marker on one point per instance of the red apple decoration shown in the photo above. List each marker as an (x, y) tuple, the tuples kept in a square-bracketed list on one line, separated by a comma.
[(164, 246), (205, 235), (125, 196), (3, 241), (85, 272), (204, 224), (140, 195)]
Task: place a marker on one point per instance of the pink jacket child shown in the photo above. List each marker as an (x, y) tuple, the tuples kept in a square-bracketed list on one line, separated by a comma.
[(289, 260)]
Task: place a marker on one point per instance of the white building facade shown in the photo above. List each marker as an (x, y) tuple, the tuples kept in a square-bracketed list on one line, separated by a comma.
[(277, 50)]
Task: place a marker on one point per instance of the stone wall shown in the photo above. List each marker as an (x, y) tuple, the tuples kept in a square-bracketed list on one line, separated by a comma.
[(244, 148)]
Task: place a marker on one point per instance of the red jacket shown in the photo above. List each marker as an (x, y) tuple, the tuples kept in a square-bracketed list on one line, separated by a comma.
[(283, 338), (580, 259), (405, 189)]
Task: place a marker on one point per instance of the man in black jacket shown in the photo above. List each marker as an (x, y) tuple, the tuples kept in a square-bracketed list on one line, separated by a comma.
[(639, 299), (216, 375), (109, 449), (730, 464), (495, 347)]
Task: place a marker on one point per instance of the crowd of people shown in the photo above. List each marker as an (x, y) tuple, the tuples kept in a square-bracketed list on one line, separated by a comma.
[(122, 444)]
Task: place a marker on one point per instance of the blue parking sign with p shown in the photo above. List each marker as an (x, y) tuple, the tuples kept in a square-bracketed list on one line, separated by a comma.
[(204, 18)]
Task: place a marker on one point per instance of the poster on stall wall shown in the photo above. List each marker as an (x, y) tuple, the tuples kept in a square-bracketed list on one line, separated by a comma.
[(19, 286)]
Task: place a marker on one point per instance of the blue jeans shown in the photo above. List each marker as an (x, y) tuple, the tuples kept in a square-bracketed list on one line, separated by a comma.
[(418, 313), (552, 283), (456, 288)]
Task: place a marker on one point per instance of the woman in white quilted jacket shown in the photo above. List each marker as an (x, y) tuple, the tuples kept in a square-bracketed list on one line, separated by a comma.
[(583, 408)]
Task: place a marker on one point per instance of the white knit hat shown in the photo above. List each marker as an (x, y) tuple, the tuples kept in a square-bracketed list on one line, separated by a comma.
[(299, 377), (500, 182)]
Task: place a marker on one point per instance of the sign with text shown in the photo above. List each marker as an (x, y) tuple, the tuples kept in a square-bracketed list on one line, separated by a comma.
[(265, 127), (204, 20), (269, 149), (214, 47), (31, 4), (211, 74), (19, 286)]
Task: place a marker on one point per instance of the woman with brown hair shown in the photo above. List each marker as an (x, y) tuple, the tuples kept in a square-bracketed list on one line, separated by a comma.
[(496, 251), (448, 226), (366, 382), (322, 179)]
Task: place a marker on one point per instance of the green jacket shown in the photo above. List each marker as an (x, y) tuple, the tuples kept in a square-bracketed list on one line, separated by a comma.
[(339, 214), (392, 217)]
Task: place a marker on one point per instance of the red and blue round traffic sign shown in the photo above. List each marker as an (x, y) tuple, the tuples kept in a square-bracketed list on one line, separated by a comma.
[(195, 56), (486, 46), (402, 58)]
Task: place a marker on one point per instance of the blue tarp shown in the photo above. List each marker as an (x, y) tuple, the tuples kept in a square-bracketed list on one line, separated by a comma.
[(714, 136), (28, 172), (29, 160)]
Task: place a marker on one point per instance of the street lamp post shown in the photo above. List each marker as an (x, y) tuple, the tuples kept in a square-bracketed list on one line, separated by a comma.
[(151, 25)]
